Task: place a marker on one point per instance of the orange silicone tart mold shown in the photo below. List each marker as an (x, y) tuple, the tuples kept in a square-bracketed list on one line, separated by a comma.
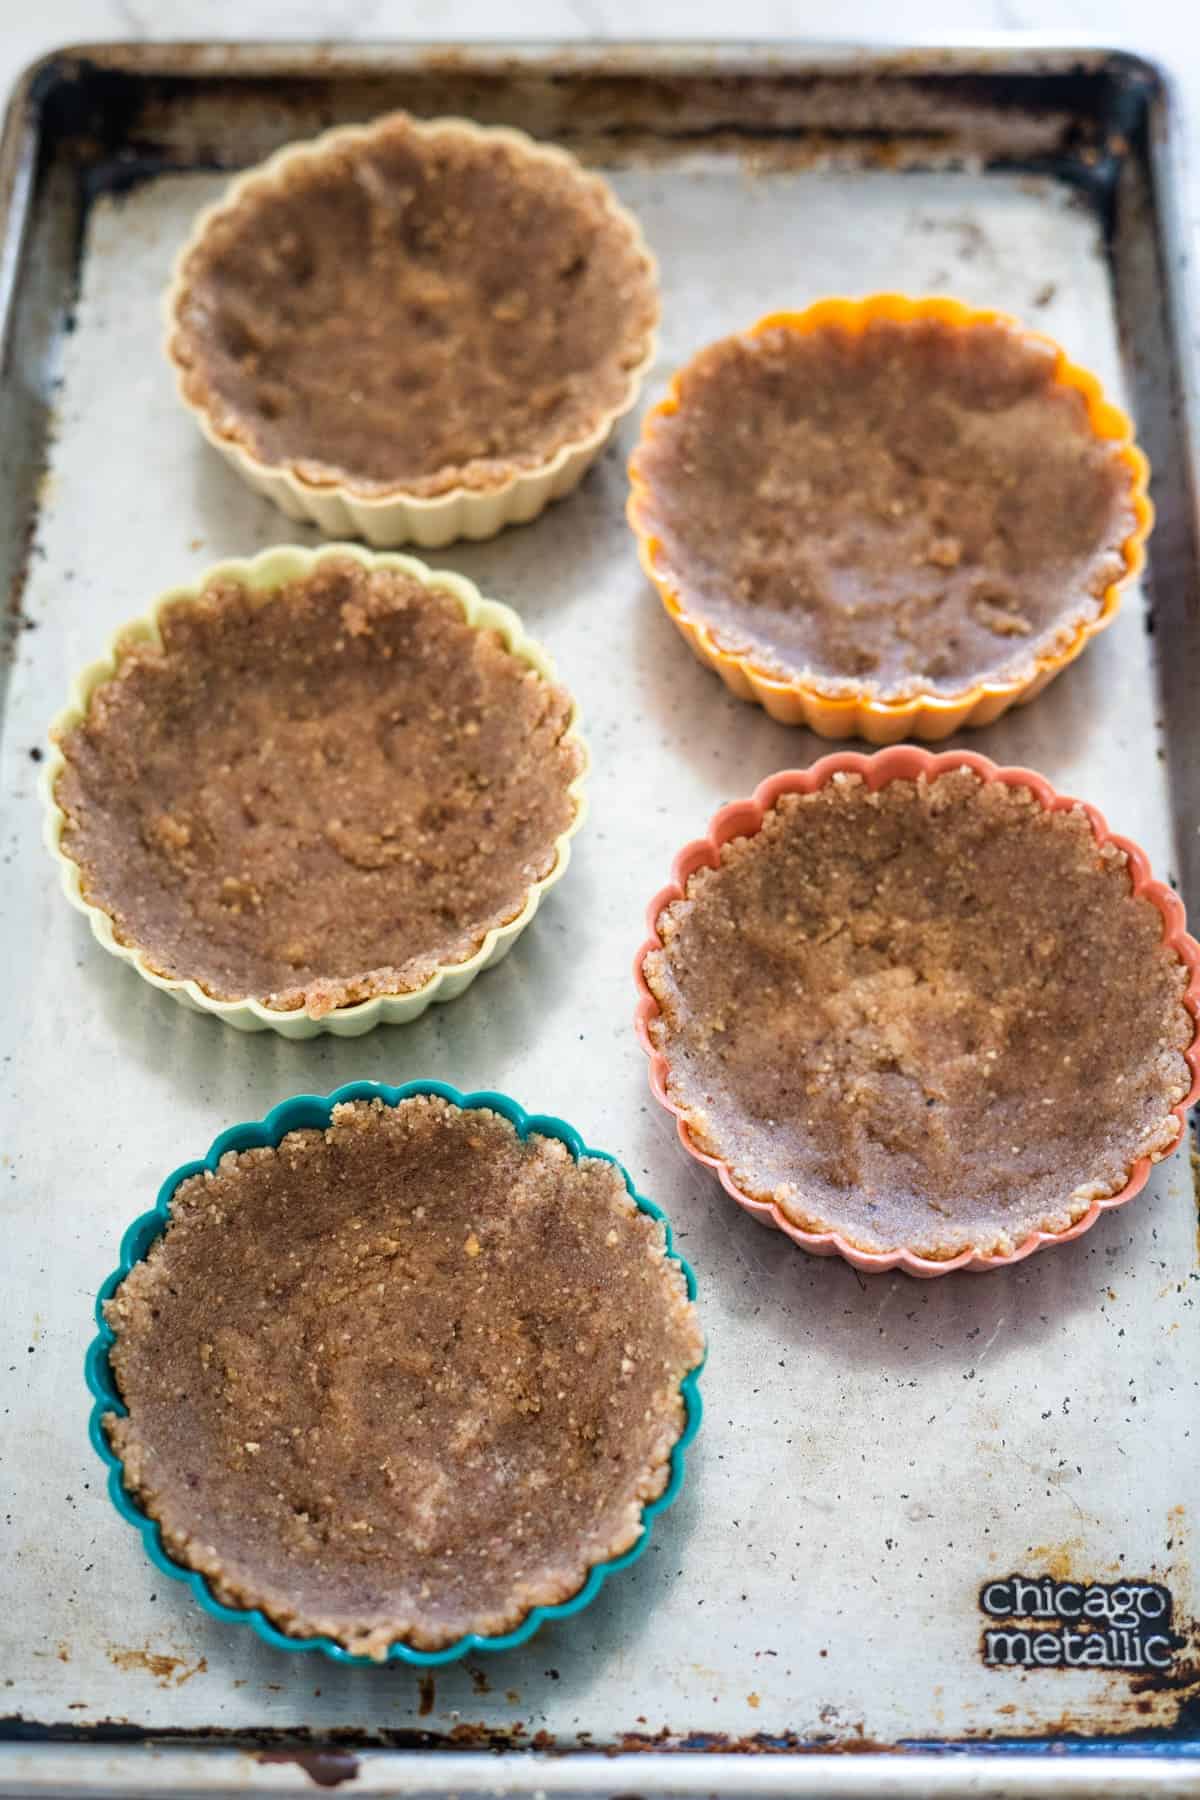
[(804, 700), (743, 818)]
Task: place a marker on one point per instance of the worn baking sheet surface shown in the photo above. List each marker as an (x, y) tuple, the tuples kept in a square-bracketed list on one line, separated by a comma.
[(874, 1450)]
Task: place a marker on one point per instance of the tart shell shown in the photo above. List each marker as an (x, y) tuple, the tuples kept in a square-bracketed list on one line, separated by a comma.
[(309, 1111), (269, 570), (930, 716), (743, 818), (398, 517)]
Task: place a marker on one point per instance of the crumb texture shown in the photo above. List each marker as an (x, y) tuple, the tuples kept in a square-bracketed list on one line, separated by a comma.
[(415, 313), (402, 1379), (933, 1017), (915, 507), (317, 795)]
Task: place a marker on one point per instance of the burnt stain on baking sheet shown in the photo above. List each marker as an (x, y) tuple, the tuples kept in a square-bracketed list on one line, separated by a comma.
[(327, 1768), (1123, 1703), (168, 1670), (427, 1694), (349, 1743), (1170, 1697), (275, 1744), (134, 111), (1061, 1561), (854, 1742), (16, 619), (16, 1728)]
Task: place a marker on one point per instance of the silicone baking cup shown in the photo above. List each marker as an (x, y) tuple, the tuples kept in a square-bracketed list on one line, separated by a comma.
[(398, 517), (308, 1111), (743, 818), (270, 569), (928, 715)]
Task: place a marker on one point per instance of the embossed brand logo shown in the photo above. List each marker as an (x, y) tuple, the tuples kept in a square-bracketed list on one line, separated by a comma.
[(1051, 1624)]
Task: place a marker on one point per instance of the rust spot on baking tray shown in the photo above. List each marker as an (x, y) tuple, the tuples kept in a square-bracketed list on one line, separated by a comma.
[(852, 1742), (139, 109), (275, 1744), (1130, 1702), (1181, 1719), (168, 1671), (16, 619), (427, 1693), (328, 1768), (15, 1727), (1059, 1561)]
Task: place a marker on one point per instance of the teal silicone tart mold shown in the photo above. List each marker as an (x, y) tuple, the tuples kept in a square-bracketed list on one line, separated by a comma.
[(314, 1111)]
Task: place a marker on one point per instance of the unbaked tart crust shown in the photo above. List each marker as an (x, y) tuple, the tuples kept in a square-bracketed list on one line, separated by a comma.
[(932, 1017), (414, 310), (403, 1379), (911, 508), (317, 794)]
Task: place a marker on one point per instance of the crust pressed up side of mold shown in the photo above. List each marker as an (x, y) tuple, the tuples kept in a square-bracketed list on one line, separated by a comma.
[(480, 629), (903, 1035), (854, 702), (474, 487), (406, 1563)]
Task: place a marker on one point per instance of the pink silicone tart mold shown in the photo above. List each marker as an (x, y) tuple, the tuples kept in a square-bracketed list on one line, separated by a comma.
[(853, 996)]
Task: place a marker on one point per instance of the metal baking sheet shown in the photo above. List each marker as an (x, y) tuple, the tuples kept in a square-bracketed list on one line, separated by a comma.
[(875, 1451)]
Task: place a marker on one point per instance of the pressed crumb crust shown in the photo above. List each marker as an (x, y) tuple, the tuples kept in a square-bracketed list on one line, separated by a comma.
[(913, 508), (932, 1017), (317, 795), (412, 313), (402, 1379)]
